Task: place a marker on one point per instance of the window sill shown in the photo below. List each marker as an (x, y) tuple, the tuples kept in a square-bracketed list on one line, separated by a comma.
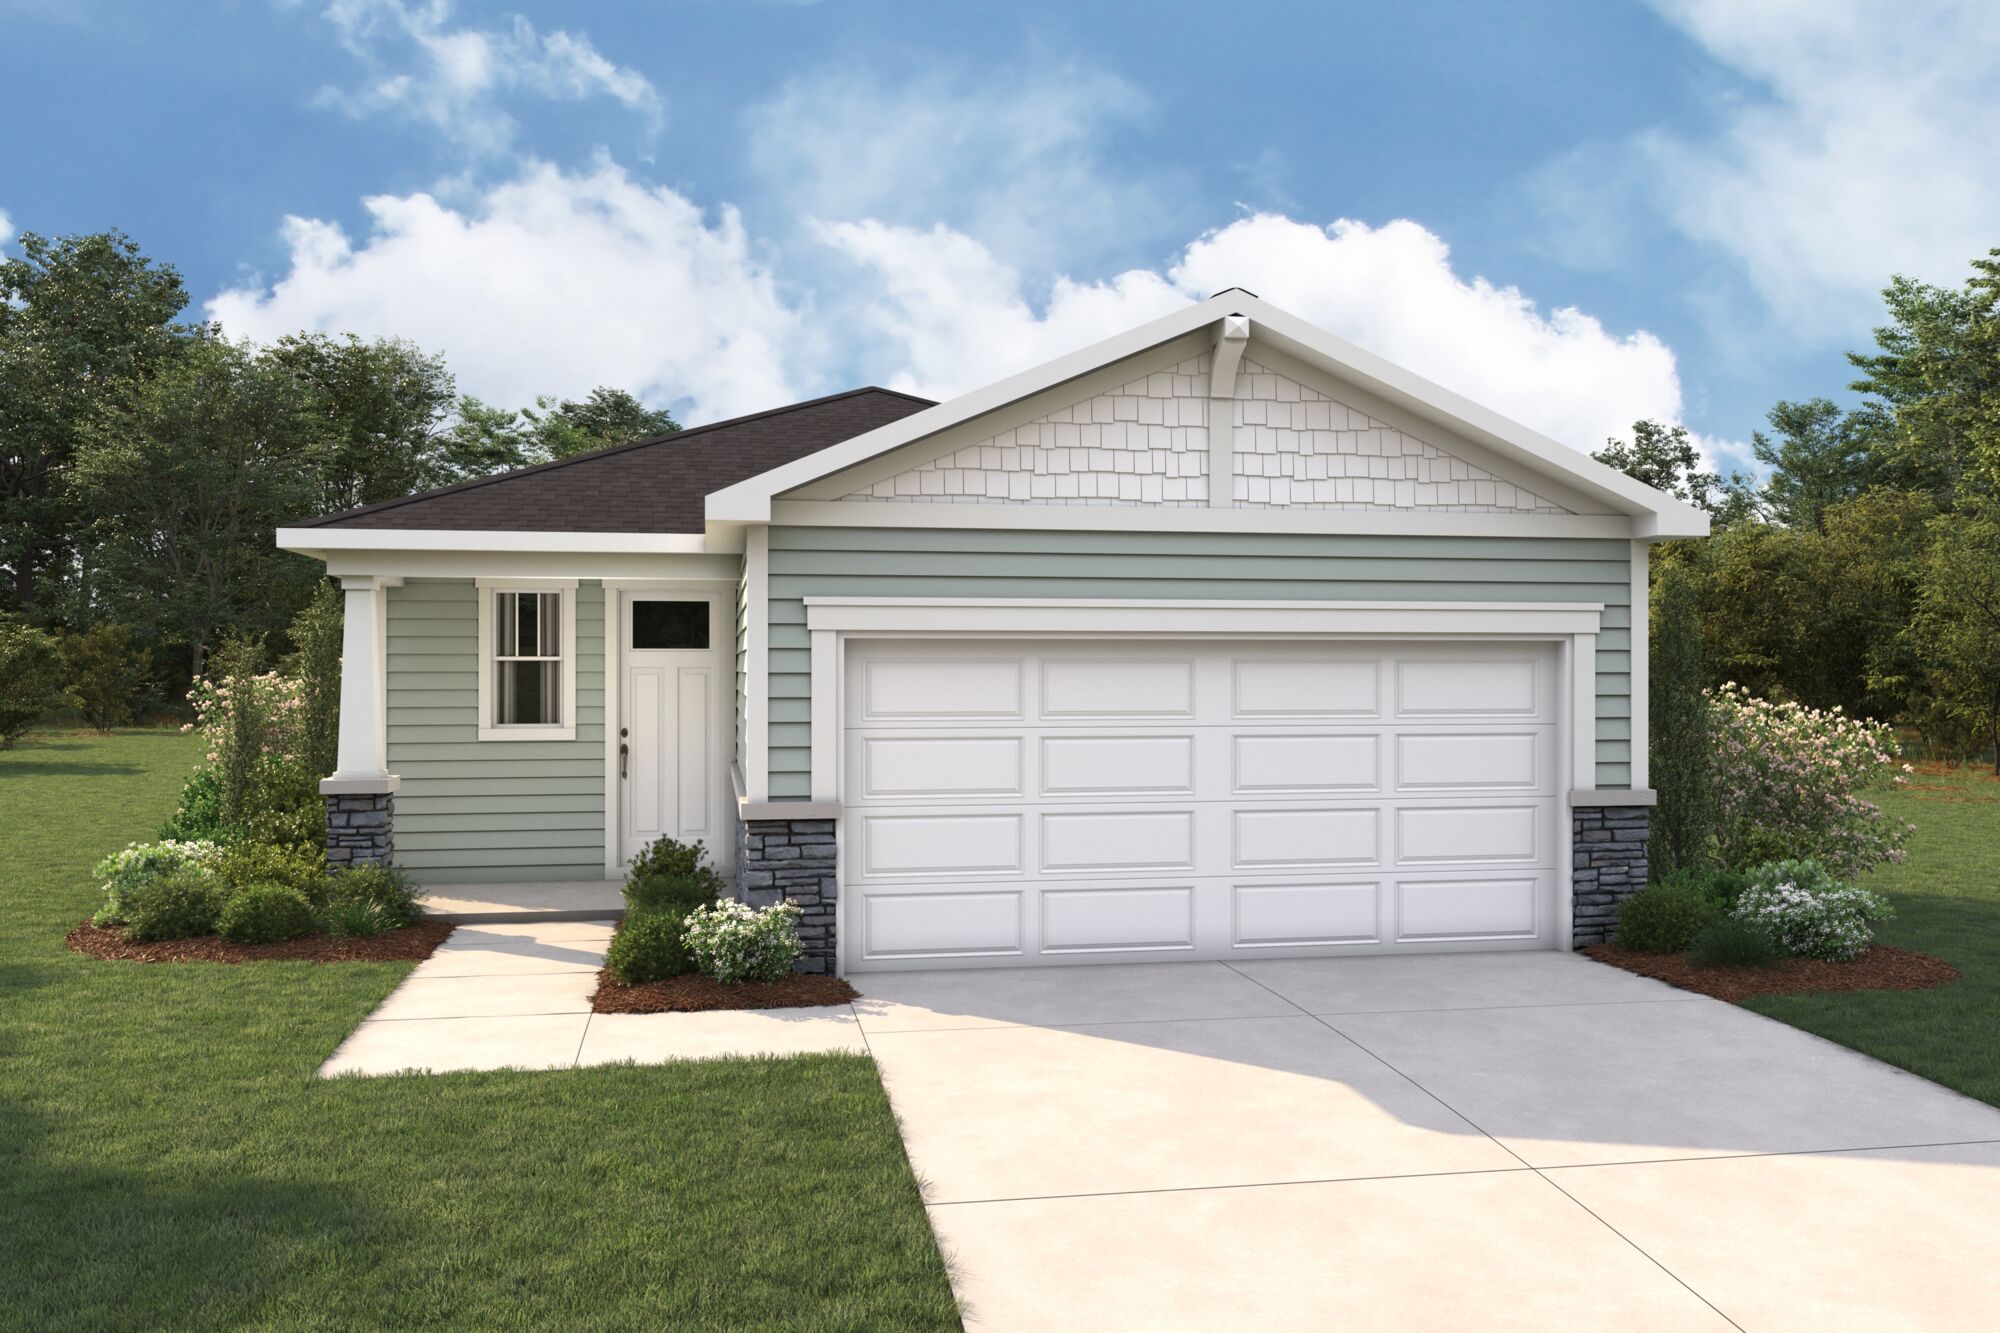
[(527, 733)]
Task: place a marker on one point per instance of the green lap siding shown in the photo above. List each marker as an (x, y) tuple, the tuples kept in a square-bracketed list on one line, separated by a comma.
[(472, 810), (916, 562)]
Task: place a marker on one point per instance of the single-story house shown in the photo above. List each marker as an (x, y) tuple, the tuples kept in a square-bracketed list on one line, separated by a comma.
[(1222, 638)]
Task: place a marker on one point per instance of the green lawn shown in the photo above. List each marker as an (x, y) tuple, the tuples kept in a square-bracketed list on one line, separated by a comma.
[(168, 1160), (1947, 897)]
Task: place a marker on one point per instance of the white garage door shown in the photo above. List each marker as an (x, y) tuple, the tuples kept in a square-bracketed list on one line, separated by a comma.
[(1015, 803)]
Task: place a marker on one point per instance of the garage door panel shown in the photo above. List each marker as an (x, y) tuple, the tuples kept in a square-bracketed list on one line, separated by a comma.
[(1093, 687), (940, 844), (1267, 916), (1105, 920), (1114, 841), (939, 767), (1469, 687), (1432, 911), (1306, 688), (1496, 761), (910, 688), (1433, 833), (1307, 836), (1277, 763), (1108, 765), (940, 925)]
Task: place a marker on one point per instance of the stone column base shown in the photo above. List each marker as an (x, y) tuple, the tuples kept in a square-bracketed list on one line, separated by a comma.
[(1608, 859), (360, 829), (791, 860)]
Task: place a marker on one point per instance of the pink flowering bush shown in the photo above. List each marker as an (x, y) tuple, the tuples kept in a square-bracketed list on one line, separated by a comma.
[(256, 785), (277, 708), (1788, 783)]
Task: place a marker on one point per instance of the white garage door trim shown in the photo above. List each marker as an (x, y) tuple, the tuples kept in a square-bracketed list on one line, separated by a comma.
[(834, 622)]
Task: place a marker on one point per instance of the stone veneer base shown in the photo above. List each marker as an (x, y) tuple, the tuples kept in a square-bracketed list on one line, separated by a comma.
[(1608, 865), (792, 860), (360, 829)]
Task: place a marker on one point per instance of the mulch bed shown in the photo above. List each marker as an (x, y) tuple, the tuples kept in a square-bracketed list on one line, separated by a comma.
[(695, 993), (1881, 968), (410, 944)]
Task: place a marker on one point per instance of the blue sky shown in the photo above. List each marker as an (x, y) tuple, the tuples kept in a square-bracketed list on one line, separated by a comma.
[(1579, 213)]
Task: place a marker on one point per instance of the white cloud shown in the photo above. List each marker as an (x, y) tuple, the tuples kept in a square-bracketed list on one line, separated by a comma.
[(6, 227), (460, 73), (1867, 151), (954, 316), (550, 283), (1017, 161)]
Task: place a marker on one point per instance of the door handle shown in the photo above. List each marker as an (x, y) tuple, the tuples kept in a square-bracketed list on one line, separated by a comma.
[(623, 750)]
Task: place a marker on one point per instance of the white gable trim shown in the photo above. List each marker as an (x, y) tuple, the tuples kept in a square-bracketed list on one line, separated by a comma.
[(1153, 518), (1654, 515)]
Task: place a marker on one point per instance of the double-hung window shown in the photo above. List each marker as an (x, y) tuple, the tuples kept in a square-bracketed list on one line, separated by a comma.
[(527, 661)]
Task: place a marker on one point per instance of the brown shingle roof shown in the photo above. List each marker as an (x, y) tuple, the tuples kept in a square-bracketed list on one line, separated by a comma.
[(653, 485)]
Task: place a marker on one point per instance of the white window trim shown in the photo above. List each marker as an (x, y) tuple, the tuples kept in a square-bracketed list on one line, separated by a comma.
[(564, 731)]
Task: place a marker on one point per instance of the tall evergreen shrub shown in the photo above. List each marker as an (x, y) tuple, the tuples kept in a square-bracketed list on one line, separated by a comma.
[(316, 640), (1683, 821), (236, 664)]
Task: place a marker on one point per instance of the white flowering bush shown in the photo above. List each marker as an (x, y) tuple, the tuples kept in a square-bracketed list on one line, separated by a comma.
[(142, 863), (1788, 783), (1809, 912), (733, 941)]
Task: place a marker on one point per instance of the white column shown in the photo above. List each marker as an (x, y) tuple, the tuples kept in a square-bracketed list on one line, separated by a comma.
[(363, 766)]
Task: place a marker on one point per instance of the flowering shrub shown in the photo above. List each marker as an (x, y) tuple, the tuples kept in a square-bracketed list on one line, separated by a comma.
[(140, 864), (1809, 912), (276, 707), (1788, 780), (733, 941)]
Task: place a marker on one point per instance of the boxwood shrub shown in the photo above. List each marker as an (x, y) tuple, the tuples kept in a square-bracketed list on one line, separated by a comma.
[(649, 947), (265, 914), (669, 858), (1665, 917), (176, 906), (1730, 941)]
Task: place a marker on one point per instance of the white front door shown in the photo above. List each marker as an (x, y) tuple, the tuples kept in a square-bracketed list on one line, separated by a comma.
[(674, 762), (1014, 803)]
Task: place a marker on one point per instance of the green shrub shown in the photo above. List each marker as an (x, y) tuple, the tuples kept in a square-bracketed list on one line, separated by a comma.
[(316, 637), (103, 673), (1730, 941), (1725, 886), (175, 906), (1683, 821), (1665, 917), (141, 864), (649, 946), (384, 893), (199, 814), (265, 914), (31, 677), (350, 918), (667, 858), (659, 893), (733, 941), (243, 864)]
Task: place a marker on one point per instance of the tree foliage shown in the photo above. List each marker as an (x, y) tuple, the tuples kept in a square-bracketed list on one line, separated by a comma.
[(184, 485), (102, 672), (83, 321), (1955, 631)]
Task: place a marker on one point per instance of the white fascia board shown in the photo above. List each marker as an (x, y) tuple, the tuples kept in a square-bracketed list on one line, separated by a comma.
[(1657, 516), (320, 541), (532, 565), (1101, 618), (1169, 518)]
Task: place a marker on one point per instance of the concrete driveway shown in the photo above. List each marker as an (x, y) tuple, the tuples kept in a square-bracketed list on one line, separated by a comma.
[(1475, 1141)]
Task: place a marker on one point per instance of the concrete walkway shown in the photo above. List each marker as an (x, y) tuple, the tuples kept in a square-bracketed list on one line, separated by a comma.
[(1486, 1141), (516, 995)]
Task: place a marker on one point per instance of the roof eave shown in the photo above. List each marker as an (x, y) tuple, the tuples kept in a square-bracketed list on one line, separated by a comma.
[(1655, 515)]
